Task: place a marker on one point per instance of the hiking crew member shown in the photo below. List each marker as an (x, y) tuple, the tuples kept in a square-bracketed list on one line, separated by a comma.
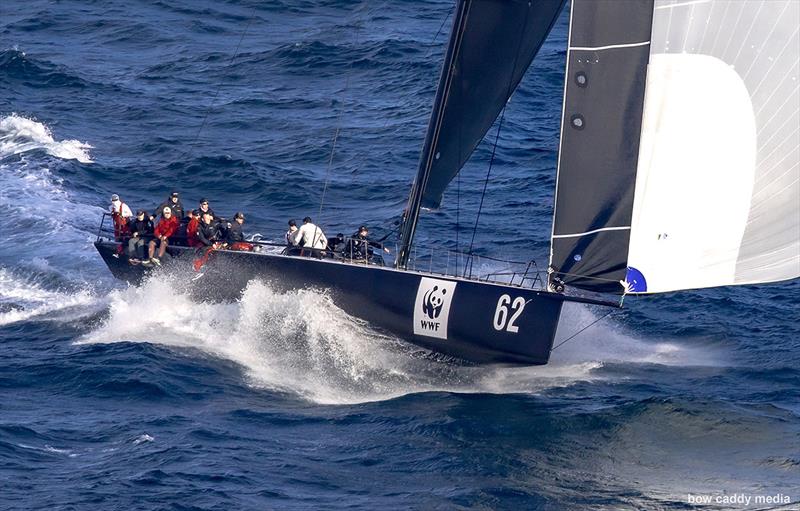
[(207, 232), (309, 236), (204, 207), (360, 247), (289, 236), (191, 229), (173, 202), (234, 239), (166, 227), (121, 214), (208, 236), (141, 227)]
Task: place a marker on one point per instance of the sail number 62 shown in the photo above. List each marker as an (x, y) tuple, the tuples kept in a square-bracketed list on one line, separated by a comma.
[(502, 321)]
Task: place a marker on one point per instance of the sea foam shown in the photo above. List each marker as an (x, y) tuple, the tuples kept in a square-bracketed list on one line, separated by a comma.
[(19, 135), (301, 343)]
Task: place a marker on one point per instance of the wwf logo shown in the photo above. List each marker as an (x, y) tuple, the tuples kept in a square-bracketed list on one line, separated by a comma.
[(433, 301)]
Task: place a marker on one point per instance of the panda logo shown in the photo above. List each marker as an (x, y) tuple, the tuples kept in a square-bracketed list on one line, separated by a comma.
[(432, 303)]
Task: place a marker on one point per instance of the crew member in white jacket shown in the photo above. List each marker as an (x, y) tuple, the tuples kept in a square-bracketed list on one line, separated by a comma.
[(309, 236), (120, 208)]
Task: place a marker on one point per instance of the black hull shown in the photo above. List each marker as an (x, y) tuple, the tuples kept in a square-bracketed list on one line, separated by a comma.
[(478, 321)]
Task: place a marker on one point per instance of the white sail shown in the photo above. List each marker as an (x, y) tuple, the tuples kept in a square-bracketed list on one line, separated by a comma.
[(717, 196)]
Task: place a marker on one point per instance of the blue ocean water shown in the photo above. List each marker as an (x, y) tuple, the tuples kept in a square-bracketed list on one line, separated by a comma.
[(116, 397)]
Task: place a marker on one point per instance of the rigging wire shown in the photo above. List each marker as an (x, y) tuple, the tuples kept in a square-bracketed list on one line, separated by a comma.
[(430, 49), (219, 88), (485, 185), (582, 330), (333, 145), (496, 138), (338, 122)]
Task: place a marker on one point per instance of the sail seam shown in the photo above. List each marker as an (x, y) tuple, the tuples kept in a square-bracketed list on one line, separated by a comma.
[(683, 4), (609, 47), (578, 234)]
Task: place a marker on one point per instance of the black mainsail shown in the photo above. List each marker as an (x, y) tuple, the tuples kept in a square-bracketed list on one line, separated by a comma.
[(604, 89), (492, 44)]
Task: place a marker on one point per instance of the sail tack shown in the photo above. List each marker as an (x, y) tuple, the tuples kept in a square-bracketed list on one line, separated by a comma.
[(717, 171)]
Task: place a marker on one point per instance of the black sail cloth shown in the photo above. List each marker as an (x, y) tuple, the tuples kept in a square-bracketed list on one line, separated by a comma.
[(609, 50)]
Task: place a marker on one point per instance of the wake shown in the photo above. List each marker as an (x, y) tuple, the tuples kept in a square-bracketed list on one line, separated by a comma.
[(302, 344)]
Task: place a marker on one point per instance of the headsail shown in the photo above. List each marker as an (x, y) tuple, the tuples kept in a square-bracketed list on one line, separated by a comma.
[(609, 45), (717, 178), (491, 46), (718, 186)]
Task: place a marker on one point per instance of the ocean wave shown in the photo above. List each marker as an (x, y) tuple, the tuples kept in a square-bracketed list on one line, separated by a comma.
[(18, 68), (20, 135), (26, 299), (302, 344)]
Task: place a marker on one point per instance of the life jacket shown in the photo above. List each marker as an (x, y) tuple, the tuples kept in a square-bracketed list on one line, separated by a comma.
[(191, 233), (121, 228)]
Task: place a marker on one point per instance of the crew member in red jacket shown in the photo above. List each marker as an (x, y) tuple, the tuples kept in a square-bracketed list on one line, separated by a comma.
[(191, 229), (166, 227)]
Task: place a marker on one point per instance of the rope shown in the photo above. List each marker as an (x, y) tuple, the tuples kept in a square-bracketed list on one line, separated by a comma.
[(338, 127), (485, 185), (458, 213), (333, 146), (496, 138), (581, 330), (214, 99), (424, 59)]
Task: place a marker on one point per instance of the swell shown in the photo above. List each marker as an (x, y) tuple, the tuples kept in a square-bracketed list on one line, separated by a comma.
[(16, 68)]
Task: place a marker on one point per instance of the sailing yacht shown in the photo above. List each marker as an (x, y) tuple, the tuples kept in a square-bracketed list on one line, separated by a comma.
[(678, 168)]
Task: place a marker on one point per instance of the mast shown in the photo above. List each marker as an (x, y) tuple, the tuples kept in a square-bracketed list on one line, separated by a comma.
[(411, 215)]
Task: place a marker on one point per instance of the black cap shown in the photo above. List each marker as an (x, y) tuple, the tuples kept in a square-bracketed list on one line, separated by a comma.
[(238, 214), (174, 194), (307, 220), (203, 200), (292, 223), (363, 228), (195, 212)]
